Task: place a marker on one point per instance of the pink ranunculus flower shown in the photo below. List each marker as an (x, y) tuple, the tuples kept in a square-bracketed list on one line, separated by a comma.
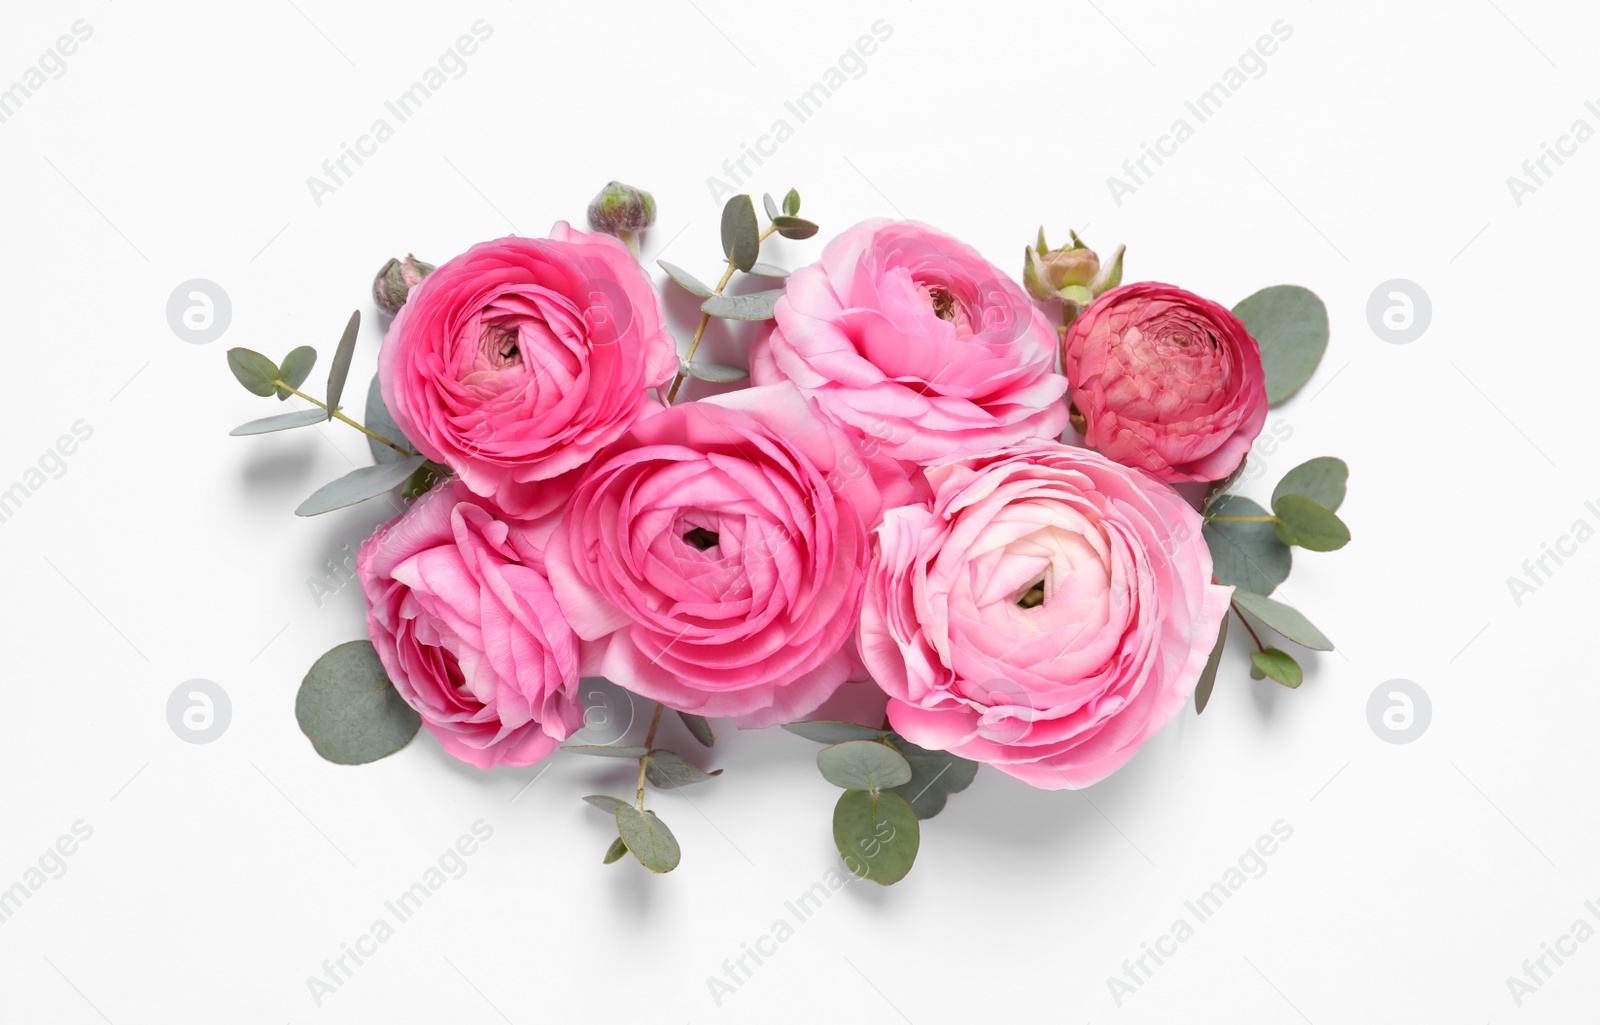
[(1046, 613), (467, 627), (713, 557), (913, 341), (1166, 381), (517, 361)]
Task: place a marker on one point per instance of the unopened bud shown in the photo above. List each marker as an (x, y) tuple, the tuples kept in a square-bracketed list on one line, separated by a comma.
[(396, 280), (623, 211)]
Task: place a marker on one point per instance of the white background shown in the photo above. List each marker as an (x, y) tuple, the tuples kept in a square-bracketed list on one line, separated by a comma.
[(1376, 146)]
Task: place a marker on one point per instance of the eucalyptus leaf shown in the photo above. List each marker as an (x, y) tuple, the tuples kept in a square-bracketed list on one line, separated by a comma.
[(877, 834), (1245, 554), (254, 371), (421, 482), (350, 711), (1306, 524), (648, 838), (1284, 619), (379, 421), (1291, 325), (606, 803), (826, 732), (1278, 664), (281, 422), (359, 485), (670, 770), (339, 369), (791, 202), (699, 727), (688, 282), (741, 234), (794, 227), (295, 368), (935, 775), (607, 750), (1322, 480), (863, 765), (714, 372), (754, 306), (770, 205), (1208, 675), (768, 270), (615, 851)]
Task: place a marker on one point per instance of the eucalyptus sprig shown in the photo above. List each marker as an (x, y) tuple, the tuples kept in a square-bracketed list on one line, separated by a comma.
[(261, 376), (890, 785), (639, 830), (742, 236)]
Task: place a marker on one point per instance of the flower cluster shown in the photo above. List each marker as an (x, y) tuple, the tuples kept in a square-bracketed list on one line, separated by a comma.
[(935, 529)]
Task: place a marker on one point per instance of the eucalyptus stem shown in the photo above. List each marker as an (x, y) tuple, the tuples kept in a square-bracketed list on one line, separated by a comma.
[(1246, 622), (649, 739), (374, 435), (705, 319), (1242, 519)]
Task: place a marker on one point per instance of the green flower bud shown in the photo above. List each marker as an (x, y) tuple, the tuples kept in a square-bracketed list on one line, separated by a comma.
[(1073, 273), (396, 280), (623, 211)]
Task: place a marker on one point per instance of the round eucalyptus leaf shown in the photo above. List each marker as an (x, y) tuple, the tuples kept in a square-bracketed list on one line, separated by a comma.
[(877, 834), (863, 765), (794, 227), (648, 838), (1282, 618), (295, 368), (741, 233), (1322, 480), (606, 803), (1306, 524), (935, 775), (359, 485), (348, 708), (670, 770), (688, 282), (379, 421), (1208, 675), (699, 727), (607, 750), (825, 732), (254, 371), (1278, 664), (616, 851), (751, 306), (1291, 325), (1245, 553)]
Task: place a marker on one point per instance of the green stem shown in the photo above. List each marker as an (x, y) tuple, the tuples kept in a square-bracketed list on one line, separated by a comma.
[(374, 435), (705, 319), (1243, 519), (649, 739)]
